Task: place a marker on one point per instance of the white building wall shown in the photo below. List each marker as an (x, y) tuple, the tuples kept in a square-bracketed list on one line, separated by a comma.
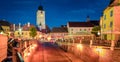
[(41, 19), (74, 30)]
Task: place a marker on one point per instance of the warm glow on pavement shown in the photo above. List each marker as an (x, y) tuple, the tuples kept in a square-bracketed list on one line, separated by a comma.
[(79, 46)]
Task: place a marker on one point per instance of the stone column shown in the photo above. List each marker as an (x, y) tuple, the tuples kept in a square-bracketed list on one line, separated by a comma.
[(80, 41), (73, 41), (73, 44), (91, 42), (112, 45)]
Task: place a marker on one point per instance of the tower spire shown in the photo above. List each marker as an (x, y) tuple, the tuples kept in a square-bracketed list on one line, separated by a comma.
[(88, 19), (41, 18), (40, 7)]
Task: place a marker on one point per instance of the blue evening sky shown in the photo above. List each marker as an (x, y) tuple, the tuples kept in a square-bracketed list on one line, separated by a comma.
[(58, 12)]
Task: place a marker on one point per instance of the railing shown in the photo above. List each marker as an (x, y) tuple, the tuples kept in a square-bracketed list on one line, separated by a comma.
[(23, 49), (20, 59)]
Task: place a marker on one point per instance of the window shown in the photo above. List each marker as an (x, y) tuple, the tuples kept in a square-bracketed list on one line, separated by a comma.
[(84, 29), (104, 17), (111, 13), (22, 33), (80, 29), (71, 29), (111, 24), (89, 29), (18, 33)]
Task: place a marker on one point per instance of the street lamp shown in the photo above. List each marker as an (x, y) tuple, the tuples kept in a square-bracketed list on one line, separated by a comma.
[(1, 32), (98, 33)]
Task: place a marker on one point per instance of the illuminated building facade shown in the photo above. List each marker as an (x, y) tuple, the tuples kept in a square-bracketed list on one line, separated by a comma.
[(110, 21), (41, 18)]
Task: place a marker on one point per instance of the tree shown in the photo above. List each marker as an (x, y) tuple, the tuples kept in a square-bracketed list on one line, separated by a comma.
[(95, 30), (33, 32)]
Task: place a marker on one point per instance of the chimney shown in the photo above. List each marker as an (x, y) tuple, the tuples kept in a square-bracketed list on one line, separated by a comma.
[(28, 24), (19, 25), (13, 27)]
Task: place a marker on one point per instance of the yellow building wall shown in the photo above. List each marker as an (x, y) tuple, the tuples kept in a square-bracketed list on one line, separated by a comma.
[(24, 34), (116, 23), (16, 34), (106, 21), (6, 29)]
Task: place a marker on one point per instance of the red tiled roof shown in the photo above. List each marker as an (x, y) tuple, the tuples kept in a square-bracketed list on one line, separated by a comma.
[(80, 24), (59, 30), (27, 28), (4, 23), (95, 22), (114, 2)]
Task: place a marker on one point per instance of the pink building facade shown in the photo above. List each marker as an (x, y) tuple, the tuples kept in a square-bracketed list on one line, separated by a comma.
[(3, 47), (116, 19)]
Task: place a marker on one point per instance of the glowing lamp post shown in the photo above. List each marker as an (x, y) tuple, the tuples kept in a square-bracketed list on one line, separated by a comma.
[(1, 32), (98, 33)]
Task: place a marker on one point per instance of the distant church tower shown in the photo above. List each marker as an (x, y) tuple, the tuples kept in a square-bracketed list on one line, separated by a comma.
[(88, 19), (41, 18)]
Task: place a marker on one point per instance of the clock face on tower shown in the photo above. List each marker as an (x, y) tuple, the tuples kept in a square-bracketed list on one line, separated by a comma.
[(41, 15)]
